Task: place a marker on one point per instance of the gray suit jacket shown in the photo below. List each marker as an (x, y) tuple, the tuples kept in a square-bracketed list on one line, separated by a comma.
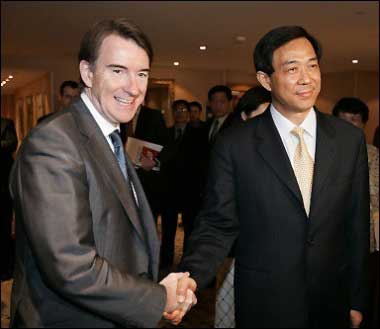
[(85, 256)]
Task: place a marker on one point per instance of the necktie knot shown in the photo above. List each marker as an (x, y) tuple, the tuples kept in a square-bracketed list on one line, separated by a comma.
[(119, 151), (298, 131), (116, 139)]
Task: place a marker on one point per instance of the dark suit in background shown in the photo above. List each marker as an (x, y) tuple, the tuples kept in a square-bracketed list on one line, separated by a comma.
[(181, 176), (8, 147), (207, 144), (86, 255), (291, 270), (150, 127)]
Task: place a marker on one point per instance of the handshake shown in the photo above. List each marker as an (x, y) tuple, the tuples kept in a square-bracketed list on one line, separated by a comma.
[(180, 296)]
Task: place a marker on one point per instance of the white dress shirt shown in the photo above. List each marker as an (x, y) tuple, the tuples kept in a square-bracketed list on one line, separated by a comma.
[(290, 141), (105, 126)]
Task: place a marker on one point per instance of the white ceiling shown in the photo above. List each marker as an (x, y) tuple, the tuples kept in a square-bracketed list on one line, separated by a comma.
[(34, 30)]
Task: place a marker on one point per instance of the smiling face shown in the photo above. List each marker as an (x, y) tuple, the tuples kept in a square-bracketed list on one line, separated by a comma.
[(296, 80), (117, 82)]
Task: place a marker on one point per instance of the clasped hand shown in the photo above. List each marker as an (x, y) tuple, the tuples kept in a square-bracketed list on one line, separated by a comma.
[(180, 296)]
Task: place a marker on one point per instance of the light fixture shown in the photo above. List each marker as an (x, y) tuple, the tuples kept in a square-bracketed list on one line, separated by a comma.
[(175, 63), (10, 77), (355, 61), (202, 47), (240, 39), (7, 80)]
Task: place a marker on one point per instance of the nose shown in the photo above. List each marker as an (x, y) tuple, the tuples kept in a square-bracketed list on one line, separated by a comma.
[(304, 77), (131, 86)]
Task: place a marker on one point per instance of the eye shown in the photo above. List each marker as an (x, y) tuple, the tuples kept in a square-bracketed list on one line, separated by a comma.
[(292, 69), (314, 66), (143, 74), (117, 71)]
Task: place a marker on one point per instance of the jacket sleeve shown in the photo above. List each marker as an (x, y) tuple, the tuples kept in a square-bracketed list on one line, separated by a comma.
[(216, 227), (358, 232)]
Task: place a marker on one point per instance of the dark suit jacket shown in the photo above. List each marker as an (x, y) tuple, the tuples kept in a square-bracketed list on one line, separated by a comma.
[(205, 146), (8, 146), (85, 256), (181, 168), (291, 270)]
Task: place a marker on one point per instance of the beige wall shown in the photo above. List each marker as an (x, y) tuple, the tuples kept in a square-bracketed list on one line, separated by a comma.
[(194, 84), (27, 104), (364, 85)]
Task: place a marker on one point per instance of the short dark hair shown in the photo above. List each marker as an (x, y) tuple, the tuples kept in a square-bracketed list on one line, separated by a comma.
[(92, 40), (197, 104), (252, 98), (68, 83), (274, 39), (351, 105), (180, 102), (220, 89)]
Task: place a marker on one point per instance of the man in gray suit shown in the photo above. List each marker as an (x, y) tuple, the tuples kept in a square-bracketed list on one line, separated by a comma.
[(87, 246)]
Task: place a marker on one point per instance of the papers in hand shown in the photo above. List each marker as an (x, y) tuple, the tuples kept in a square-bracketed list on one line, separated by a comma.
[(136, 148)]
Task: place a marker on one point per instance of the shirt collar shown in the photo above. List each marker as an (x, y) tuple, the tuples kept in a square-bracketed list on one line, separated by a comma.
[(285, 125), (106, 127)]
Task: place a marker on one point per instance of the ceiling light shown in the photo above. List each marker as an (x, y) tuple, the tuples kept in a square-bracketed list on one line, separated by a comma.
[(10, 77), (355, 61), (202, 47), (175, 63), (7, 80), (240, 39)]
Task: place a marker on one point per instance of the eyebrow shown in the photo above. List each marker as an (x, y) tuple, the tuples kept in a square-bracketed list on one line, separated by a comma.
[(124, 67), (294, 61)]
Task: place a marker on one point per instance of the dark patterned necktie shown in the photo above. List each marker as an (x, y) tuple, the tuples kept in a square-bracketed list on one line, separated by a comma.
[(119, 152), (120, 156), (214, 131)]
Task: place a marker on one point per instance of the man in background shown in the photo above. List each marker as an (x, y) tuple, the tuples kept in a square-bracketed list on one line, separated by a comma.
[(8, 147), (68, 92)]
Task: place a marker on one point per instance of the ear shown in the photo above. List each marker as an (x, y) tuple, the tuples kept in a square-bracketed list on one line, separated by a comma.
[(264, 80), (86, 73)]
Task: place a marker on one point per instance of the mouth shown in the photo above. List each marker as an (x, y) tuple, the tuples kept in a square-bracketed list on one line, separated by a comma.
[(124, 101), (305, 93)]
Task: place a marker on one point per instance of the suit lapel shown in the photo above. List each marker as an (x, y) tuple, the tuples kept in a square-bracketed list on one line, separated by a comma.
[(272, 150), (324, 156), (103, 156)]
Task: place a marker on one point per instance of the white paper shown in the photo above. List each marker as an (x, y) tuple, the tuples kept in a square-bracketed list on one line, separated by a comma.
[(136, 148)]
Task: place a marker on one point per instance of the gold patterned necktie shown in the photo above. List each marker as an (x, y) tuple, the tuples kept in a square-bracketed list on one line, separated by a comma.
[(303, 168)]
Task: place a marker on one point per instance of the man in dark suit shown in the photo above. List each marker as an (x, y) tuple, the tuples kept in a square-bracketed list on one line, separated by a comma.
[(219, 98), (8, 147), (180, 170), (220, 102), (291, 186), (148, 125), (87, 246)]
